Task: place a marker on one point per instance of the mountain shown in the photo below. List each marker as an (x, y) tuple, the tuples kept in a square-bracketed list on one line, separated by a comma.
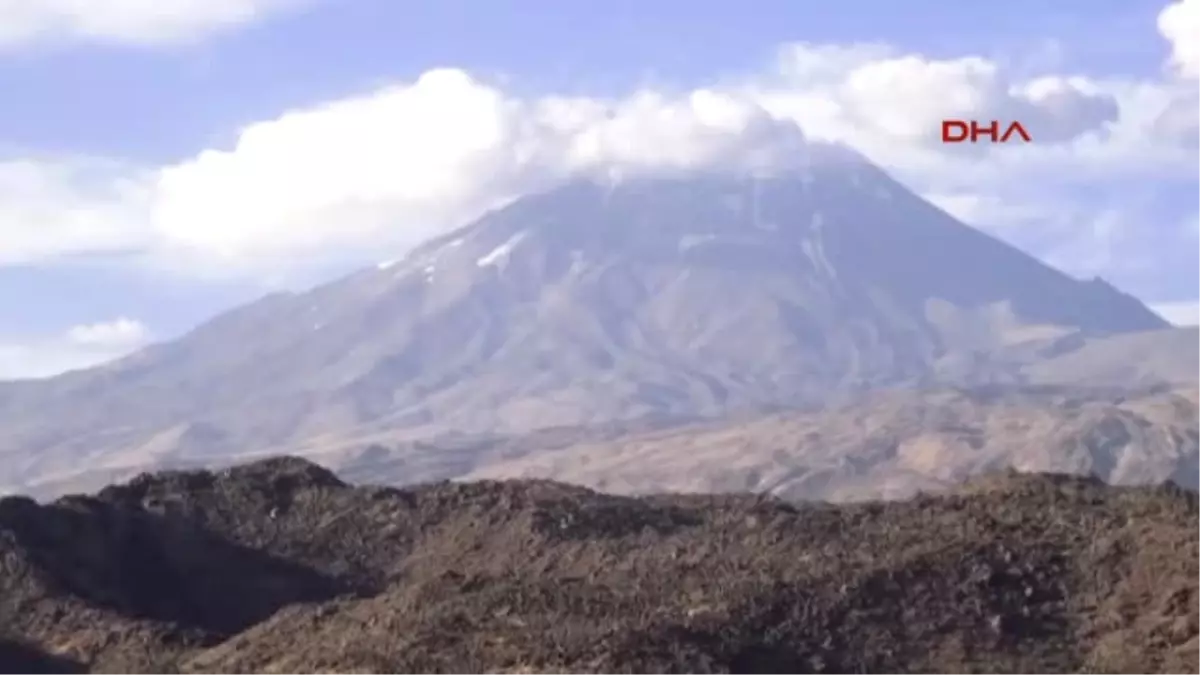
[(890, 445), (277, 566), (601, 301), (1140, 358)]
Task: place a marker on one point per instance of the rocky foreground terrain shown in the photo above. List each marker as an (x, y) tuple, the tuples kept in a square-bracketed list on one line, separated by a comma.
[(279, 566)]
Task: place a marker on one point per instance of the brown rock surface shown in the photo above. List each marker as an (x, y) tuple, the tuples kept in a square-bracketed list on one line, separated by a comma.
[(278, 566)]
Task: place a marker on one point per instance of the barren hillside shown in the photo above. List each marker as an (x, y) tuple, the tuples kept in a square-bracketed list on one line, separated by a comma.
[(278, 566)]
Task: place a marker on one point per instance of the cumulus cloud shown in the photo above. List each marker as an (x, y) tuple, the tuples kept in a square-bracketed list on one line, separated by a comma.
[(379, 165), (119, 334), (77, 347), (653, 132), (397, 165), (1178, 121), (975, 207), (56, 207), (1179, 23), (137, 22), (840, 93)]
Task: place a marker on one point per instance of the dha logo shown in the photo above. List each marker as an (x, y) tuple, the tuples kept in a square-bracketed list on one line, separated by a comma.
[(957, 131)]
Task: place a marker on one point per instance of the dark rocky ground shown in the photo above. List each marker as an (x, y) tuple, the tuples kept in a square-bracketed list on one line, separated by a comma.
[(278, 566)]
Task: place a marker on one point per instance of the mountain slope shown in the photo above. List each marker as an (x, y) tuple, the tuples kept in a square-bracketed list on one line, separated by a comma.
[(888, 446), (651, 298), (1128, 359), (277, 566)]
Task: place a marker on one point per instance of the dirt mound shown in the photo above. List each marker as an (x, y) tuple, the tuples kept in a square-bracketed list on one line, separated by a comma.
[(279, 566)]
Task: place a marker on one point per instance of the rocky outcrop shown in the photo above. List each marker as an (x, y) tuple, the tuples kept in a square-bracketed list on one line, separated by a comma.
[(279, 566)]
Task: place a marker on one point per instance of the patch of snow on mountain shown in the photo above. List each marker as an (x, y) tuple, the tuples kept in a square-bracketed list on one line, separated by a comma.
[(693, 240), (577, 263), (810, 252), (814, 247), (499, 255), (386, 264), (734, 202)]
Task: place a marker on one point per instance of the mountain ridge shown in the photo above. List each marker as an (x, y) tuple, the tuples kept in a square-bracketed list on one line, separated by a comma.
[(892, 445)]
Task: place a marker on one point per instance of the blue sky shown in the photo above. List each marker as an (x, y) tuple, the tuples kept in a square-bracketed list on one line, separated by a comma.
[(124, 131)]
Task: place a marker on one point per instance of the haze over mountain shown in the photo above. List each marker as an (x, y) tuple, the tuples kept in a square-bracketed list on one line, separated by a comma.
[(621, 298)]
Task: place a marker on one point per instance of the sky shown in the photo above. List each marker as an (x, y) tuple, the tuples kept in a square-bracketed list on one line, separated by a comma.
[(163, 160)]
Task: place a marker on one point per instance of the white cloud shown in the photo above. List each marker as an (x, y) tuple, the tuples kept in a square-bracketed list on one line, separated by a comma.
[(848, 92), (1180, 119), (51, 208), (1179, 313), (1178, 122), (397, 165), (78, 347), (974, 207), (119, 334), (1179, 23), (352, 171), (138, 22)]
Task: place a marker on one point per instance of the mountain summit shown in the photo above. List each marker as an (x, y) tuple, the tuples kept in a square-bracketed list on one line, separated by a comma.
[(596, 301)]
